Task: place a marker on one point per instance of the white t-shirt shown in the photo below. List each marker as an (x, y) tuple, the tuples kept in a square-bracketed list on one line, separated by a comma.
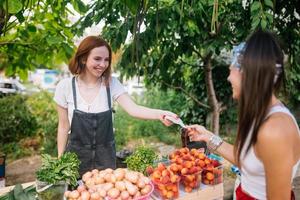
[(64, 97)]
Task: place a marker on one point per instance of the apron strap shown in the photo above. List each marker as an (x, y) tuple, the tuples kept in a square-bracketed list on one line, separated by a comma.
[(108, 97), (74, 92)]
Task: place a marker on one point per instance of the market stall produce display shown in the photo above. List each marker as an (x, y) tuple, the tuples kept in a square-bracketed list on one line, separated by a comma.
[(166, 182), (55, 175), (142, 158), (111, 184), (185, 175), (189, 171)]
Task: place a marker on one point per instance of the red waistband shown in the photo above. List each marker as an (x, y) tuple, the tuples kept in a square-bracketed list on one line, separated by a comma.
[(241, 195)]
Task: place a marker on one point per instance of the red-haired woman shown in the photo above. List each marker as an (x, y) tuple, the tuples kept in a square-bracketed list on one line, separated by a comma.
[(84, 105), (268, 140)]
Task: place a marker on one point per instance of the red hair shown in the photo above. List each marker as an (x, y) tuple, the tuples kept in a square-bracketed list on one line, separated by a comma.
[(76, 64)]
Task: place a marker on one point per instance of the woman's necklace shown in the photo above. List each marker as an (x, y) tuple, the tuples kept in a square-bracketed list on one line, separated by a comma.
[(82, 84)]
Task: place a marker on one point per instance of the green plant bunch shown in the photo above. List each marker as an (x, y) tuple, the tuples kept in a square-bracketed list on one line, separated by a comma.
[(18, 193), (141, 158), (54, 170)]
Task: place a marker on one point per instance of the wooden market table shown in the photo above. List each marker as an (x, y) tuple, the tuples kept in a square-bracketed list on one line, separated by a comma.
[(9, 188)]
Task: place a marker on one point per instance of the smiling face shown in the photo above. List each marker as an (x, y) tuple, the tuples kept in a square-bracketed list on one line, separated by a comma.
[(97, 61), (235, 79)]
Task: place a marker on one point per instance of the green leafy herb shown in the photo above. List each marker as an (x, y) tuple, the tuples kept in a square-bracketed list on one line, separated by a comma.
[(141, 159), (18, 193), (54, 170)]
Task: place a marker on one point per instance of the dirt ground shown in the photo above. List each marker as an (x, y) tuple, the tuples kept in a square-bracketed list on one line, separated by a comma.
[(22, 170)]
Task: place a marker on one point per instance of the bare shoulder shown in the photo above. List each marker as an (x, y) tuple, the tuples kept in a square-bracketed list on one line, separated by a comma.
[(279, 127)]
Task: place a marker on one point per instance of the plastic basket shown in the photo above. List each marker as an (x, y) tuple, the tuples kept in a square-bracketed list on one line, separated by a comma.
[(212, 175), (46, 191), (191, 181), (146, 196), (167, 191)]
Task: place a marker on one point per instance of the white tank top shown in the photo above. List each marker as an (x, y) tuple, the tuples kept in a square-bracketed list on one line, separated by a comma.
[(253, 179)]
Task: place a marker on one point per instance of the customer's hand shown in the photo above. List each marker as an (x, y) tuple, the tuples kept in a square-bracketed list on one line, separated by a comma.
[(198, 133), (162, 117)]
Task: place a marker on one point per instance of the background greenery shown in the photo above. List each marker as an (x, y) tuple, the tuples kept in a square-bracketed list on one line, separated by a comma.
[(36, 34), (29, 123), (179, 44), (28, 126), (127, 127)]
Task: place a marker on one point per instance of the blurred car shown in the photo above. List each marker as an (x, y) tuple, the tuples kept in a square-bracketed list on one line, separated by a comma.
[(11, 86)]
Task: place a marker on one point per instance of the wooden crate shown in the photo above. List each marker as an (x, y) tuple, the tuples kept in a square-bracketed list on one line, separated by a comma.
[(205, 192)]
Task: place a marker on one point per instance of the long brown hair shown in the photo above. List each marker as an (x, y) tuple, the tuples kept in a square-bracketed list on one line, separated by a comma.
[(258, 65), (76, 64)]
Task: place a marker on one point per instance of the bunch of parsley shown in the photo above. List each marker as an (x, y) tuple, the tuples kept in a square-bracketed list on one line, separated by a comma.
[(141, 159), (54, 170)]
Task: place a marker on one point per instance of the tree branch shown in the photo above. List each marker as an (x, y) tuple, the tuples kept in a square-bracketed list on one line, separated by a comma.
[(222, 107), (10, 25), (198, 53), (188, 94)]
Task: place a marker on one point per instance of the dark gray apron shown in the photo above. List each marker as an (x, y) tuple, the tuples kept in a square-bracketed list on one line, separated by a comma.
[(92, 137)]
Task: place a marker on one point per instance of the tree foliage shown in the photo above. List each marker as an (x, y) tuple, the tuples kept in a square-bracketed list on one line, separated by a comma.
[(177, 44), (36, 33), (180, 43)]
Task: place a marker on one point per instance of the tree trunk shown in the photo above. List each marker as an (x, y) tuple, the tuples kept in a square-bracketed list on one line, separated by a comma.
[(212, 98)]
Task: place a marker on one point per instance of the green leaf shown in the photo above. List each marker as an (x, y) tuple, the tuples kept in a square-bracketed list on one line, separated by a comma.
[(132, 5), (263, 24), (54, 170), (31, 28), (269, 17), (269, 3), (14, 6), (19, 192), (255, 23), (23, 74), (141, 158), (53, 40), (20, 17), (68, 50), (79, 6), (255, 6)]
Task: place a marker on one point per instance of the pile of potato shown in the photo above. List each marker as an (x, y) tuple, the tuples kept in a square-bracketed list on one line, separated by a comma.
[(119, 184)]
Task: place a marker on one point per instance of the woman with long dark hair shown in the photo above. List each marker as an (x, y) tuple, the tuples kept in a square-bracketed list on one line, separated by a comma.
[(268, 139)]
